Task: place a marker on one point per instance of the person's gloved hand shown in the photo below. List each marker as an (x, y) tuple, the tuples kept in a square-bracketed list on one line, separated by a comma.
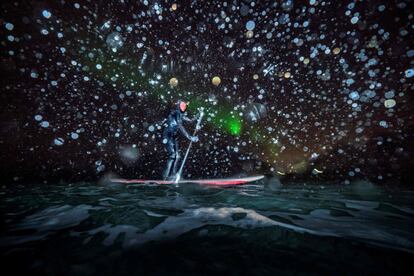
[(194, 139)]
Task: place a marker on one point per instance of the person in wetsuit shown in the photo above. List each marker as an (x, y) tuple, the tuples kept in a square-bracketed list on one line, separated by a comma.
[(174, 123)]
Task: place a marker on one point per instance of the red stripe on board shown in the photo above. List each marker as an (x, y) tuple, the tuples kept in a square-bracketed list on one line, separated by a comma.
[(237, 181)]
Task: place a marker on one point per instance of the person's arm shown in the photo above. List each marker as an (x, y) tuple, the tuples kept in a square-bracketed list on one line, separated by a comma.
[(194, 119), (184, 131), (187, 119)]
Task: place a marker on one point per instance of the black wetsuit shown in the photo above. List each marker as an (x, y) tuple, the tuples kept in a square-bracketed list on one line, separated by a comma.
[(172, 125)]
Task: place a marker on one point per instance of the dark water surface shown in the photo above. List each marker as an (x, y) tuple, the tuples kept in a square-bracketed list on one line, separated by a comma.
[(265, 228)]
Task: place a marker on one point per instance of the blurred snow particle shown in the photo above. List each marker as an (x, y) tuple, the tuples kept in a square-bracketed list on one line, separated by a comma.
[(58, 141), (216, 80), (349, 82), (389, 103), (74, 135), (314, 156), (128, 154), (38, 118), (228, 42), (287, 5), (255, 112), (44, 124), (9, 26), (336, 50), (173, 82), (354, 19), (359, 130), (409, 73), (389, 94), (244, 10), (46, 14), (316, 171), (115, 41), (383, 124), (354, 95), (250, 25), (99, 166), (249, 34)]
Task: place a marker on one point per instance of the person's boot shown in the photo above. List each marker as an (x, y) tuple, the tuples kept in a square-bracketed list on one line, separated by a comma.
[(167, 170), (176, 161)]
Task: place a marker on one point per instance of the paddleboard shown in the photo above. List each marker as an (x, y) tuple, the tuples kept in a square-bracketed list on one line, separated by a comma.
[(219, 182)]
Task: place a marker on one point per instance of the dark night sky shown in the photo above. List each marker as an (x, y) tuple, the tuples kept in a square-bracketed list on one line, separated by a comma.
[(315, 89)]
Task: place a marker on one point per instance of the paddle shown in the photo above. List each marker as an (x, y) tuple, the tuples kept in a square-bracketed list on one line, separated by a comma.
[(178, 175)]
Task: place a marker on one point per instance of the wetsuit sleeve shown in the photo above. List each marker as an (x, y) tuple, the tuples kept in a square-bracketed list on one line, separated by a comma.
[(185, 118), (183, 131)]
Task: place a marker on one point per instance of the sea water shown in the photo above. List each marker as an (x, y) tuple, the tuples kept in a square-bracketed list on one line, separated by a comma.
[(262, 228)]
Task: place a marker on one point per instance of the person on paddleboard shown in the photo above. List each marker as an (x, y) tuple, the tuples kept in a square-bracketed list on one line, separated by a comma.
[(174, 122)]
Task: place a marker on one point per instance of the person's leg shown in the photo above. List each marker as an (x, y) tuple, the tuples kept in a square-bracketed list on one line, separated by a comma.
[(171, 158), (177, 158)]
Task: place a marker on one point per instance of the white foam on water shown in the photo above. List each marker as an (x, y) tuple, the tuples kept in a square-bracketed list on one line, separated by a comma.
[(175, 226), (190, 219), (152, 214)]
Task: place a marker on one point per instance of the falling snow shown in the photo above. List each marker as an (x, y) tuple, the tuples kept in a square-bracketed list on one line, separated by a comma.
[(312, 88)]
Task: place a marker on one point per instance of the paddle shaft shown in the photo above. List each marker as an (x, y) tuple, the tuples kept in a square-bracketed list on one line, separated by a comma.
[(178, 176)]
